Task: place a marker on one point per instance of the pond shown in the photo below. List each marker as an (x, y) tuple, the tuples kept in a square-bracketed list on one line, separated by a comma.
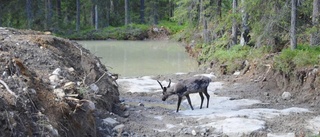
[(141, 58)]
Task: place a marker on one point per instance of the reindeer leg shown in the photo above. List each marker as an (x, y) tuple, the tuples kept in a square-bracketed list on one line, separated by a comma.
[(208, 97), (201, 95), (179, 102), (189, 101)]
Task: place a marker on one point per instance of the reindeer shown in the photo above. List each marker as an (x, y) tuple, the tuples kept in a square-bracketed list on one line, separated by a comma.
[(198, 84)]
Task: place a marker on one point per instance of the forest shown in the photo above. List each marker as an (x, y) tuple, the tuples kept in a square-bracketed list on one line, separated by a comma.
[(222, 31)]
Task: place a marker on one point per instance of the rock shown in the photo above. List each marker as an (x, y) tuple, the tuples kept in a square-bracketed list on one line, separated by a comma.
[(94, 87), (204, 131), (57, 71), (89, 105), (125, 134), (126, 114), (141, 104), (54, 79), (79, 83), (193, 132), (237, 73), (286, 95), (71, 69), (110, 121), (32, 91), (52, 130), (25, 89), (59, 93), (118, 127)]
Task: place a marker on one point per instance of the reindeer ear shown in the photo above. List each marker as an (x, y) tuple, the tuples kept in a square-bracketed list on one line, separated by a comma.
[(169, 83)]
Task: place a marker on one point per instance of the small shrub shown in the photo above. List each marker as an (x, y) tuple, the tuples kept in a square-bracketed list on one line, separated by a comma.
[(303, 56), (284, 62)]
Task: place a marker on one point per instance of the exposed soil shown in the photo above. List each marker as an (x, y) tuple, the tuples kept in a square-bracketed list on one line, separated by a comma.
[(60, 89)]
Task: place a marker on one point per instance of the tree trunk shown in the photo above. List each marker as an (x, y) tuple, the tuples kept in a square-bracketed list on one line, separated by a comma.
[(78, 15), (245, 27), (201, 12), (96, 17), (58, 11), (0, 17), (49, 14), (155, 12), (142, 11), (219, 5), (314, 39), (29, 13), (293, 37), (126, 9), (108, 13), (171, 8), (205, 32), (234, 23), (59, 8)]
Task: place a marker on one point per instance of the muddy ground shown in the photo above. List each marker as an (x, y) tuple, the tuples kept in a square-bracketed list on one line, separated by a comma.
[(279, 116)]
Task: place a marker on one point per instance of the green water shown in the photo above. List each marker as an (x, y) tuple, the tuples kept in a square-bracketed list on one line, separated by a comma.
[(141, 58)]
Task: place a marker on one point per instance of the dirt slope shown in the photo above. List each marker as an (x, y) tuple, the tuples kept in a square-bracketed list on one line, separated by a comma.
[(58, 87)]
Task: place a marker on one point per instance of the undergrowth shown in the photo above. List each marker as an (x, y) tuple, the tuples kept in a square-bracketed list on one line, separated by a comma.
[(304, 56), (286, 61), (131, 31)]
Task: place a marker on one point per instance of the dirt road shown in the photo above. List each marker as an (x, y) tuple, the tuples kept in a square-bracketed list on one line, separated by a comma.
[(237, 108)]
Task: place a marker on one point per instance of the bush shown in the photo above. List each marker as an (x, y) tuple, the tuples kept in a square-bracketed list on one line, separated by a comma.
[(303, 56), (131, 31)]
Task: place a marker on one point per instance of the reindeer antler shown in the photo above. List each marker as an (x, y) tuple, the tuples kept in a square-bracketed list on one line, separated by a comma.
[(169, 83), (160, 84)]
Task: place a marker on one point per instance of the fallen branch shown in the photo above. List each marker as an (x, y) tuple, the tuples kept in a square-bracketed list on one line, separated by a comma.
[(7, 87), (101, 77), (78, 48)]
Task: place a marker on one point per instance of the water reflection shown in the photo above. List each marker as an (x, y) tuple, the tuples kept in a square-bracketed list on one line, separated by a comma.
[(140, 58)]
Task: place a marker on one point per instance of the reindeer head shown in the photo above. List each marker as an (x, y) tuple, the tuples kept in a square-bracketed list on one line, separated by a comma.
[(164, 90)]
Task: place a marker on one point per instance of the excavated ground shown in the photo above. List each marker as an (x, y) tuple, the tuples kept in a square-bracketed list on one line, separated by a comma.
[(53, 87)]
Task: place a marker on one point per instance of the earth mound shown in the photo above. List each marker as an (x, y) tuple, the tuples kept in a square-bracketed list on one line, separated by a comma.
[(53, 87)]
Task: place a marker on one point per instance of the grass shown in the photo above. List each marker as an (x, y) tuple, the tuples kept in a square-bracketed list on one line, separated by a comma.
[(286, 61), (174, 27), (303, 56)]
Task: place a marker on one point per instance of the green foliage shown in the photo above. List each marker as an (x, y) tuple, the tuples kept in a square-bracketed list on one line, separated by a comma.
[(233, 57), (173, 27), (303, 56), (237, 52), (131, 31), (284, 62)]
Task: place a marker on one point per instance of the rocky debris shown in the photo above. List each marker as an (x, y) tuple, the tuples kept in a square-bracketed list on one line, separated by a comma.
[(286, 95), (46, 83), (141, 104), (193, 132), (110, 121)]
